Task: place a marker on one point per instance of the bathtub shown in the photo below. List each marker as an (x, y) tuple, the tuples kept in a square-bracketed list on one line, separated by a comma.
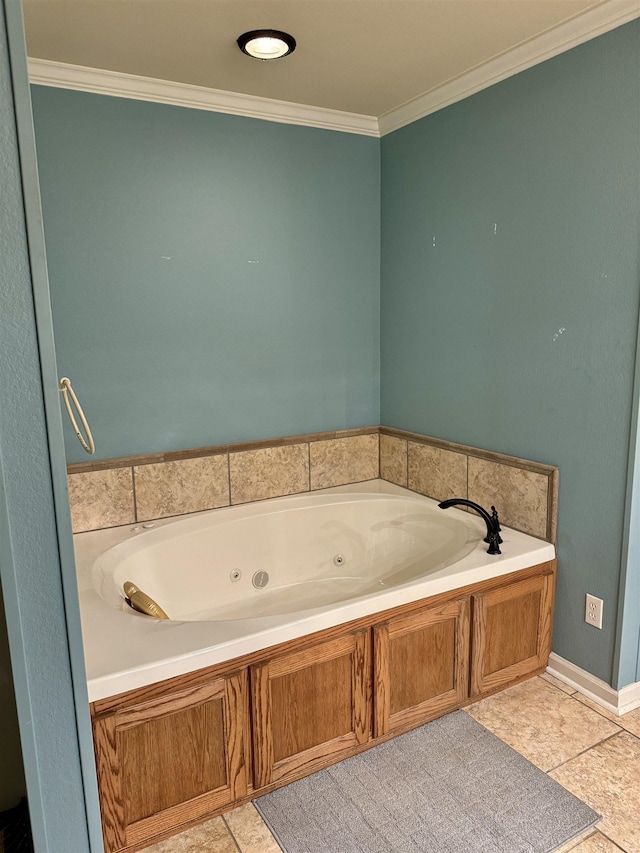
[(240, 579)]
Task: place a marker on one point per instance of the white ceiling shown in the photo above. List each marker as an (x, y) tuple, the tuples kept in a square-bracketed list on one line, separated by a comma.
[(360, 56)]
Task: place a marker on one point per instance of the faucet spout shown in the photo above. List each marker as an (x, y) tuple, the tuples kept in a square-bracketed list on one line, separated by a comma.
[(143, 603), (492, 521)]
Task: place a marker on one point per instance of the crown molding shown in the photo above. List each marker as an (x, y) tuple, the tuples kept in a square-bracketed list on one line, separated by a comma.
[(61, 75), (607, 16), (580, 29)]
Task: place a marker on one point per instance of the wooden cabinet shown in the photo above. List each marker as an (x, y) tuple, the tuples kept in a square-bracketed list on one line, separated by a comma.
[(421, 666), (511, 631), (310, 708), (175, 753), (171, 759)]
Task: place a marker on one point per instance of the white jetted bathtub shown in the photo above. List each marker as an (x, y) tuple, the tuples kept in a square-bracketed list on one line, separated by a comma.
[(239, 579)]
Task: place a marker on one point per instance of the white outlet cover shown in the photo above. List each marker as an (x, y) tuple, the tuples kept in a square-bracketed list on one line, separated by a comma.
[(593, 611)]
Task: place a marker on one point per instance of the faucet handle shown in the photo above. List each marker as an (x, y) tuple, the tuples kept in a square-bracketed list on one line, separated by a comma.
[(496, 521)]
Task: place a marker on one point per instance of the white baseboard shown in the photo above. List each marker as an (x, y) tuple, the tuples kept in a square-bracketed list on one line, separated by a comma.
[(618, 702)]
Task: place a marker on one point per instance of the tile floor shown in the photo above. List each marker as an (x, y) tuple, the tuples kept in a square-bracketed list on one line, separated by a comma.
[(583, 747)]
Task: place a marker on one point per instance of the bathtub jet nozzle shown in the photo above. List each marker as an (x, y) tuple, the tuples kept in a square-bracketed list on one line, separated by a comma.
[(492, 521), (140, 601)]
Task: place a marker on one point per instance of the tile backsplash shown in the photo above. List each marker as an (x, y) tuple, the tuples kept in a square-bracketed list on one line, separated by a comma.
[(181, 486), (524, 492), (268, 472), (339, 461), (125, 491), (101, 499)]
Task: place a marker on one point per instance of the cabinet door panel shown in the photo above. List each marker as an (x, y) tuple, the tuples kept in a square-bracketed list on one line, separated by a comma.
[(318, 703), (421, 666), (171, 760), (310, 707), (511, 632)]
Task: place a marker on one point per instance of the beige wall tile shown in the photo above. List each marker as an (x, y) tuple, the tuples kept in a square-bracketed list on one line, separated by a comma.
[(393, 459), (269, 472), (344, 460), (188, 485), (520, 496), (435, 472), (101, 499)]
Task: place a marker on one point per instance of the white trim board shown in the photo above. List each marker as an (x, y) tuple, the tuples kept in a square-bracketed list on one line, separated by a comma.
[(580, 29), (618, 702), (607, 16), (63, 76)]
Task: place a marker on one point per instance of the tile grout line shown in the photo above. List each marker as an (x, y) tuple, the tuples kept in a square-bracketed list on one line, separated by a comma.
[(551, 684), (600, 712), (583, 751), (467, 472), (135, 497), (233, 838), (407, 464), (615, 843), (580, 840)]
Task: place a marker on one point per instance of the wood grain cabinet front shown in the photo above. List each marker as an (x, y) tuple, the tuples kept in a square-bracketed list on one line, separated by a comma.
[(180, 751), (512, 631), (310, 708), (171, 760), (421, 666)]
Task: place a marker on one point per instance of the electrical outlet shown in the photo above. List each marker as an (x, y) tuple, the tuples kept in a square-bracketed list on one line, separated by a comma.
[(593, 611)]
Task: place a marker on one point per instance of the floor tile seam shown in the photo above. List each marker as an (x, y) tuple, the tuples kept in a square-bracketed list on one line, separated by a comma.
[(562, 763), (599, 710), (615, 723), (622, 729), (551, 686), (581, 839), (555, 687), (583, 751), (560, 681), (615, 843), (230, 831)]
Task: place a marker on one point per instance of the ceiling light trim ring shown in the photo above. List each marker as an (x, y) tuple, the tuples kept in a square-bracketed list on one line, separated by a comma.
[(250, 43)]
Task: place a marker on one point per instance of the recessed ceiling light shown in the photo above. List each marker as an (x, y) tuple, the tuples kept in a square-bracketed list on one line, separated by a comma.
[(266, 44)]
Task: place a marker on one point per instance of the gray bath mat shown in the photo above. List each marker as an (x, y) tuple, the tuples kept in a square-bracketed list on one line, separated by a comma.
[(448, 787)]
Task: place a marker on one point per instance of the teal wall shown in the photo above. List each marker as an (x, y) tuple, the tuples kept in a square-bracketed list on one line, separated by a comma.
[(261, 319), (35, 608), (217, 278), (517, 331)]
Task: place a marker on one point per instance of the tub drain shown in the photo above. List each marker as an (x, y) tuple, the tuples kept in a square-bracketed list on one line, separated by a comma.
[(260, 579)]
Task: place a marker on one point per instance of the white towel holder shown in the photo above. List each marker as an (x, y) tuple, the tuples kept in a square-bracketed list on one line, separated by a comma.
[(66, 391)]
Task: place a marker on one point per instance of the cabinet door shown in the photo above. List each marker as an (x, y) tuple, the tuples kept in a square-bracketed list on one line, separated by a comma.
[(170, 760), (421, 666), (511, 632), (310, 708)]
